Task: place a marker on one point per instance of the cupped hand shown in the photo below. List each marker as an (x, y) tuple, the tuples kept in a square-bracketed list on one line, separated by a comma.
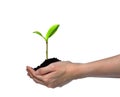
[(56, 74)]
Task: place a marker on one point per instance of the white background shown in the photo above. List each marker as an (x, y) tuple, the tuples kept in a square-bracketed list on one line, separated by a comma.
[(89, 30)]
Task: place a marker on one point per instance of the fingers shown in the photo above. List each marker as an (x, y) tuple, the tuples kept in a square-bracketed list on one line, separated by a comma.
[(29, 73), (36, 76), (38, 81), (35, 80), (33, 74), (46, 70), (46, 76)]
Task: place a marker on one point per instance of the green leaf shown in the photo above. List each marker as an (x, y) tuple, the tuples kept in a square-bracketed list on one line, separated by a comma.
[(37, 32), (51, 31)]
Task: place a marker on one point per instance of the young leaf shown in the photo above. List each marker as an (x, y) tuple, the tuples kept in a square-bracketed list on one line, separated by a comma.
[(51, 31), (37, 32)]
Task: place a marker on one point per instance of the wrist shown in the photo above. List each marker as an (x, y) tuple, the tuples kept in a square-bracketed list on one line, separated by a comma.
[(81, 70), (85, 70)]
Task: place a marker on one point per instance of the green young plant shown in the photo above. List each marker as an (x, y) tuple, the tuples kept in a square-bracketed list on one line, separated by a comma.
[(50, 32)]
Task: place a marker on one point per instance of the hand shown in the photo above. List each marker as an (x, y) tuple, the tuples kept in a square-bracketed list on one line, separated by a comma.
[(60, 73), (56, 74)]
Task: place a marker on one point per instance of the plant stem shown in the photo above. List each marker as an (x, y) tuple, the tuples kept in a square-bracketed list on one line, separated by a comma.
[(46, 49)]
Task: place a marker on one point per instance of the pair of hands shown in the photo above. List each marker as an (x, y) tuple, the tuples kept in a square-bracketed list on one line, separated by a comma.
[(54, 75)]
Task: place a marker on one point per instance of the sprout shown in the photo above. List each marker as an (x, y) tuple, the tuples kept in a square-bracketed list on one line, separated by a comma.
[(50, 32)]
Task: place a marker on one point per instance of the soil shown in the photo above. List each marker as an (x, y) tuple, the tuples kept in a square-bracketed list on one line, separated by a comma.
[(47, 62)]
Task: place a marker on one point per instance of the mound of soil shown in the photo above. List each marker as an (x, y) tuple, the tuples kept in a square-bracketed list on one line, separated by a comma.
[(47, 62)]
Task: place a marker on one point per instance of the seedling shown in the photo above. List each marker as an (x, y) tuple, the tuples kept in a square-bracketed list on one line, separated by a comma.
[(50, 32)]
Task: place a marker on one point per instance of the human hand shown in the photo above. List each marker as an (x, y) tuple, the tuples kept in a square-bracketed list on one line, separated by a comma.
[(56, 74), (60, 73)]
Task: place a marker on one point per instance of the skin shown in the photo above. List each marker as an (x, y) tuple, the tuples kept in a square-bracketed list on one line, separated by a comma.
[(60, 73)]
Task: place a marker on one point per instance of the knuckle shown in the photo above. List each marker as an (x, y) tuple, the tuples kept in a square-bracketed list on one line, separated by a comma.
[(52, 66)]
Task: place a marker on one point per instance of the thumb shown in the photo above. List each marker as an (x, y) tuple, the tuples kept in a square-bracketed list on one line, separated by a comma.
[(47, 69)]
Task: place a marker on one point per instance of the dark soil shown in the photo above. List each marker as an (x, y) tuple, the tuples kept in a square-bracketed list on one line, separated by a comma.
[(47, 62)]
